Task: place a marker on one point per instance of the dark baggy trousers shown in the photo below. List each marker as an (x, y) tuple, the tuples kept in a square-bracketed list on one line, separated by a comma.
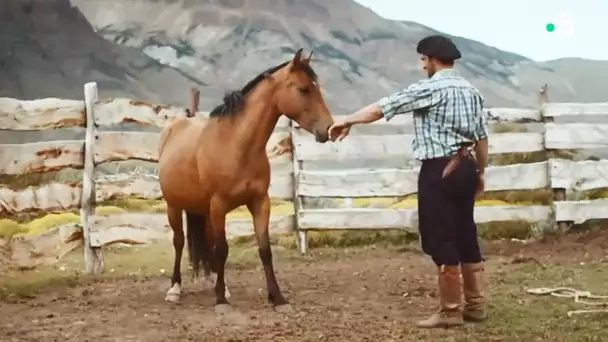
[(445, 211)]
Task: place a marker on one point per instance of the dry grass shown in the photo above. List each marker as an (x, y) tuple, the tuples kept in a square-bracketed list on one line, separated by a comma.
[(26, 180), (13, 228), (149, 260)]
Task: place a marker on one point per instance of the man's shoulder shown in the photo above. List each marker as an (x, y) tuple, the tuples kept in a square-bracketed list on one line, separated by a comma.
[(421, 84), (458, 81)]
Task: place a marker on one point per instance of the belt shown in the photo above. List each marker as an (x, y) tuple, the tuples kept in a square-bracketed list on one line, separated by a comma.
[(464, 152)]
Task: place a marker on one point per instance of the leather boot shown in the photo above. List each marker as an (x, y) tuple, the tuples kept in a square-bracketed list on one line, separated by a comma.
[(473, 288), (450, 300)]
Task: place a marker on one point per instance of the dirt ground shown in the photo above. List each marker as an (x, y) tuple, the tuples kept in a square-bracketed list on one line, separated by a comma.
[(362, 294)]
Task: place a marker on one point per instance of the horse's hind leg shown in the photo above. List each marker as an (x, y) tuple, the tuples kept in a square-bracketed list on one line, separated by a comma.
[(200, 247), (260, 210), (208, 265), (174, 217)]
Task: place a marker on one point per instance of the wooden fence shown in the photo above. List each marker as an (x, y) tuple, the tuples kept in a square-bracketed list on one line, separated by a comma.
[(354, 168)]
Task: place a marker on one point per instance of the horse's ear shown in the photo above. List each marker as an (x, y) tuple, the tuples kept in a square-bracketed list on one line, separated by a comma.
[(309, 59), (297, 58)]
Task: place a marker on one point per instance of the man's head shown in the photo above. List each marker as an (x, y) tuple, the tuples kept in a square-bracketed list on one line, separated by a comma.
[(436, 53)]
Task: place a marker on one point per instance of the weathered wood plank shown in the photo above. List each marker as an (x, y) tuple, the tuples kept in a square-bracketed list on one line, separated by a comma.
[(493, 115), (397, 145), (120, 110), (353, 147), (515, 142), (44, 249), (514, 115), (133, 228), (50, 197), (357, 183), (356, 218), (578, 175), (576, 136), (146, 186), (119, 146), (42, 156), (574, 109), (40, 114), (123, 185), (399, 182), (61, 197), (581, 211), (138, 228)]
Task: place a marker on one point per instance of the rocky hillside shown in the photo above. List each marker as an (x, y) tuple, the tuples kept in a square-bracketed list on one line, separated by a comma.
[(360, 56), (49, 49)]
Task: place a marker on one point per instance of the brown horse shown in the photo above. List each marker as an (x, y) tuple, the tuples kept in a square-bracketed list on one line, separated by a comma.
[(209, 168)]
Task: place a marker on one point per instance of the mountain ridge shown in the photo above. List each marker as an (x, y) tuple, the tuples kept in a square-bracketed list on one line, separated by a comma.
[(157, 49), (359, 55), (49, 49)]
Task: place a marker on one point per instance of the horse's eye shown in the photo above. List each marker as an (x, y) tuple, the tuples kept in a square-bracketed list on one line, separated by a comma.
[(304, 90)]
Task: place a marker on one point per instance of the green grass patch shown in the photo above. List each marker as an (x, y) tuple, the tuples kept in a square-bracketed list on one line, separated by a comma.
[(527, 317)]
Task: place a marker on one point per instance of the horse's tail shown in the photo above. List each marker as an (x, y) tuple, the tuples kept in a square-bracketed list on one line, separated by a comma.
[(197, 242)]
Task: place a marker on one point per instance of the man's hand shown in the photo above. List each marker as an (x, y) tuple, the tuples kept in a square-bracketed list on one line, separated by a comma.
[(341, 127), (339, 130), (481, 185)]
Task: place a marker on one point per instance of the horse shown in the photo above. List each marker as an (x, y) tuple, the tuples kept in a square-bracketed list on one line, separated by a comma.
[(207, 168)]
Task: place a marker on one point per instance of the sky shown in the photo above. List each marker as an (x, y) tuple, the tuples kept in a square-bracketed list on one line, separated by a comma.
[(514, 25)]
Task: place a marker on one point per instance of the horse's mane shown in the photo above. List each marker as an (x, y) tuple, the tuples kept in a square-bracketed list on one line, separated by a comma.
[(234, 100)]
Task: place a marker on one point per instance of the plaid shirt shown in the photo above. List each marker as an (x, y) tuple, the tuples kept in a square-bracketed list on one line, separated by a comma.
[(448, 111)]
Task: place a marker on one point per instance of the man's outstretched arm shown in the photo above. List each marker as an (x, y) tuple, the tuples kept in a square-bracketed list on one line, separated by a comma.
[(416, 96)]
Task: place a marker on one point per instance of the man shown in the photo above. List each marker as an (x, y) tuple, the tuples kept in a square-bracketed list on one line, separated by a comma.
[(448, 121)]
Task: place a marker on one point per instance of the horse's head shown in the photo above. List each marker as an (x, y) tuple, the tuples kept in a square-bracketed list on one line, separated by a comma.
[(299, 97)]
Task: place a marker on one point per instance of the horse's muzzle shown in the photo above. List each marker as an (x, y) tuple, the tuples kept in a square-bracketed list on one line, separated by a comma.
[(322, 136)]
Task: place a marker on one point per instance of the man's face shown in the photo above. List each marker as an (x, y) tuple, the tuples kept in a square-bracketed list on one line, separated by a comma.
[(428, 65)]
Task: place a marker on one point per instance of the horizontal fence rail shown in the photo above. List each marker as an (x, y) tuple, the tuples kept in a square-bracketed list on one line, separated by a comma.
[(315, 185)]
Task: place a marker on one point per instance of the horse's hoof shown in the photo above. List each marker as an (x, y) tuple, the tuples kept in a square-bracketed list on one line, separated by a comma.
[(222, 309), (283, 308), (172, 297)]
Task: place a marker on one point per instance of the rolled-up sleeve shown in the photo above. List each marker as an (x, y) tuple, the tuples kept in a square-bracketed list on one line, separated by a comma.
[(417, 96)]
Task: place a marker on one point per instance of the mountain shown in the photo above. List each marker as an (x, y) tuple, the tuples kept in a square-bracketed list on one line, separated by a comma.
[(157, 49), (49, 49), (359, 55)]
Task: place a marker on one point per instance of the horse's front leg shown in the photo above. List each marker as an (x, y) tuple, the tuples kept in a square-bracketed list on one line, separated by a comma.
[(217, 219), (260, 210)]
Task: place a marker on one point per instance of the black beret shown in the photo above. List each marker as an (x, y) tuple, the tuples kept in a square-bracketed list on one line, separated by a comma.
[(439, 47)]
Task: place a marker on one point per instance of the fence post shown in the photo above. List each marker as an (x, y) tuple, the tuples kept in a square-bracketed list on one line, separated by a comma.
[(93, 258), (559, 194), (193, 102), (301, 235)]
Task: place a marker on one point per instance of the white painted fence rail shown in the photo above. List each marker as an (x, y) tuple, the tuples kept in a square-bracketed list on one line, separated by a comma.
[(292, 178), (399, 182)]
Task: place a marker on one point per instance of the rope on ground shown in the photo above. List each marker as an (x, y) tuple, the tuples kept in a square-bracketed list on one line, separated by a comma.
[(582, 297)]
